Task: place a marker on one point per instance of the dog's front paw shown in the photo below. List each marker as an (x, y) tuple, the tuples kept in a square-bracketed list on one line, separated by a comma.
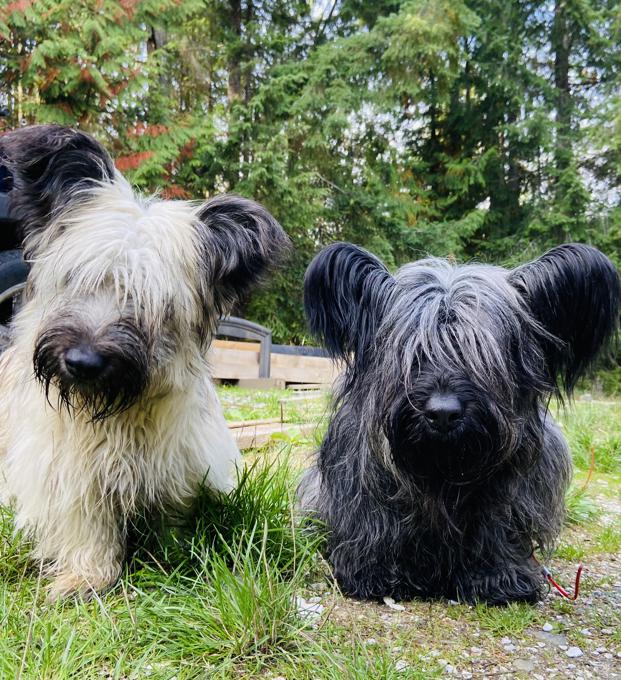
[(378, 584), (501, 587), (67, 584)]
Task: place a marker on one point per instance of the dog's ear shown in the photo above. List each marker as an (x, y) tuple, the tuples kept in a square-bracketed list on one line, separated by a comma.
[(345, 293), (573, 293), (240, 241), (51, 166)]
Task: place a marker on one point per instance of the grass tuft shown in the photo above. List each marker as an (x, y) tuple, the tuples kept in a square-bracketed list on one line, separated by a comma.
[(239, 607), (511, 620), (581, 508), (259, 512), (608, 539), (593, 427)]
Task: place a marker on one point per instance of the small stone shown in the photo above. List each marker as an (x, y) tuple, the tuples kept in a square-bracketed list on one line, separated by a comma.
[(607, 631), (396, 650), (607, 655), (547, 627), (308, 610), (510, 648), (505, 641), (524, 665), (370, 641), (574, 652), (449, 668), (452, 602), (467, 675), (551, 638), (599, 650), (389, 602), (442, 662), (586, 632), (401, 665)]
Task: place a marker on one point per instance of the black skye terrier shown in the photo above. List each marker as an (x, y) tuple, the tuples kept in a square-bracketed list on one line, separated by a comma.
[(442, 468)]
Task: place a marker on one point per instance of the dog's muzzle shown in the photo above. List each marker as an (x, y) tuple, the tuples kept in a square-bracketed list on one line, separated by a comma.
[(84, 364), (101, 376), (444, 411)]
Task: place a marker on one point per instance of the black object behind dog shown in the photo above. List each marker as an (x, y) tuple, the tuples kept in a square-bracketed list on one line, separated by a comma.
[(13, 269)]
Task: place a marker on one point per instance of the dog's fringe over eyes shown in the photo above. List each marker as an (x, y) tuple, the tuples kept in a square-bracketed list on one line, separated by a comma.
[(442, 467), (123, 297)]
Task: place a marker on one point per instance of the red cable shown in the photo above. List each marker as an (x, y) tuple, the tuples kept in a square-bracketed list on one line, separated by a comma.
[(562, 590)]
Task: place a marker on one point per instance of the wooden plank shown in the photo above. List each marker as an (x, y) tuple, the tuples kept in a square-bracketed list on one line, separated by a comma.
[(235, 424), (230, 363), (237, 344), (233, 364), (303, 369), (261, 383)]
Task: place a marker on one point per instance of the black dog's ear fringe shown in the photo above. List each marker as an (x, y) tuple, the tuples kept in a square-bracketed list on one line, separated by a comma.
[(573, 291), (345, 293), (51, 166), (241, 241)]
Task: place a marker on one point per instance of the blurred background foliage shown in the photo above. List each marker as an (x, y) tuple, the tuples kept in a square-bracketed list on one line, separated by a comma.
[(486, 129)]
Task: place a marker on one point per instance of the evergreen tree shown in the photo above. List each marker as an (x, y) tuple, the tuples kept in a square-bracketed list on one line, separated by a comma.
[(485, 128)]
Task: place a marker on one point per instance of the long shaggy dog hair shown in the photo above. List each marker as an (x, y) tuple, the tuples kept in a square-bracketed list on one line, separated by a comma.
[(442, 467), (106, 404)]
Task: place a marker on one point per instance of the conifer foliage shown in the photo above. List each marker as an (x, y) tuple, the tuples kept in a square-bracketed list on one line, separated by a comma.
[(484, 128)]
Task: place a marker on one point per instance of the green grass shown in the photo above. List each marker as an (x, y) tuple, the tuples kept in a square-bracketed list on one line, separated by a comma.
[(608, 539), (213, 593), (581, 508), (243, 404), (570, 552), (594, 427), (218, 587), (506, 621)]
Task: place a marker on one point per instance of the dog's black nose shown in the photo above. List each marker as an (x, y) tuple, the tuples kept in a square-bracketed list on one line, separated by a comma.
[(443, 411), (84, 363)]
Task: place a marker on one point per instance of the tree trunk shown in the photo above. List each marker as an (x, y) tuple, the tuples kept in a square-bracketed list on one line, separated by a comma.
[(561, 44), (234, 58)]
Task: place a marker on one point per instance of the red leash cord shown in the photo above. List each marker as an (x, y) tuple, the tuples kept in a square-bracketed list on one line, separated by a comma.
[(546, 571), (561, 590)]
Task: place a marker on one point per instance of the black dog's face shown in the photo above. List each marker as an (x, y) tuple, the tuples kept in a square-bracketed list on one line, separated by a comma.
[(453, 364), (460, 370), (444, 427)]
